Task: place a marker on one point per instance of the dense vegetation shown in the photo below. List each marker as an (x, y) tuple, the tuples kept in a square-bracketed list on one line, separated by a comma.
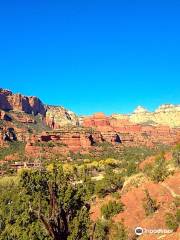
[(54, 202), (108, 230), (43, 205)]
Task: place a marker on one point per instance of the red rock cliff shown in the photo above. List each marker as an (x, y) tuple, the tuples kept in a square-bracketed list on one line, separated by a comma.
[(18, 102)]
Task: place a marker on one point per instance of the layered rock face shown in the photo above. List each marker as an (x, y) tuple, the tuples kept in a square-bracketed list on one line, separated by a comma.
[(18, 102), (140, 128), (98, 120), (74, 139), (131, 133), (57, 117), (167, 114)]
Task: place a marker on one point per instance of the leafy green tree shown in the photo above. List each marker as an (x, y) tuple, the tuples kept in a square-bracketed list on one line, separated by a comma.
[(111, 208), (16, 221), (45, 205)]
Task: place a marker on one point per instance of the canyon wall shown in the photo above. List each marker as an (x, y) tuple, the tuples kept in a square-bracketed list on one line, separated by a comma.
[(57, 117), (18, 102), (167, 114), (140, 128)]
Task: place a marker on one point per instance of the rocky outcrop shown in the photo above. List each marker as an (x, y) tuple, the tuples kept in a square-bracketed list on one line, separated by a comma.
[(132, 133), (133, 196), (57, 117), (74, 139), (7, 134), (18, 102), (140, 128), (98, 120), (167, 114)]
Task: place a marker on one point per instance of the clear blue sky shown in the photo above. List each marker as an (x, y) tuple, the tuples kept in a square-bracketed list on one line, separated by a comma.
[(90, 55)]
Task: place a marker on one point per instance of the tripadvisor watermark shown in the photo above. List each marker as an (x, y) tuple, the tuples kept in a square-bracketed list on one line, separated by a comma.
[(139, 231)]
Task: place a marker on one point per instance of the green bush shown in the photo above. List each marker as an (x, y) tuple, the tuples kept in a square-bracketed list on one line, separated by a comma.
[(116, 195), (177, 201), (171, 221), (178, 216), (109, 184), (108, 230), (118, 232), (149, 205), (176, 155), (111, 208), (131, 169), (160, 171), (101, 230)]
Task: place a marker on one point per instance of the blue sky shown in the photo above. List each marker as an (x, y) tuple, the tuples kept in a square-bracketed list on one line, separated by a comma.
[(92, 56)]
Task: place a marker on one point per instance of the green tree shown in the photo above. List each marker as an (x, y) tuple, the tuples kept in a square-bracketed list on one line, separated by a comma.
[(109, 184), (111, 208), (16, 221), (45, 205)]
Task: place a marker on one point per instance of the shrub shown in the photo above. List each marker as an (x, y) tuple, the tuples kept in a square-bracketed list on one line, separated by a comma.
[(160, 171), (171, 221), (118, 232), (101, 188), (176, 155), (111, 183), (101, 230), (116, 195), (131, 169), (177, 201), (178, 216), (149, 205), (111, 208)]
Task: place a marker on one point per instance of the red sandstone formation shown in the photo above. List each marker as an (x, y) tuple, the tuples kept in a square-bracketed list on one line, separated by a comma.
[(23, 118), (97, 120), (79, 139), (18, 102), (130, 132), (108, 129), (74, 139)]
